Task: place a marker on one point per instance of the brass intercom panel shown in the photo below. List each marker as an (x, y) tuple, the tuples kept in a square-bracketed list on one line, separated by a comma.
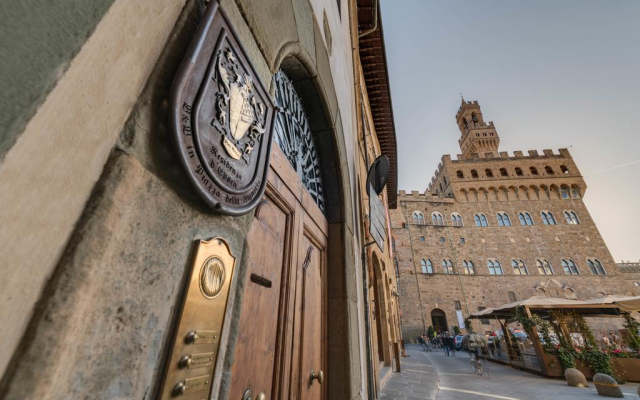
[(195, 346)]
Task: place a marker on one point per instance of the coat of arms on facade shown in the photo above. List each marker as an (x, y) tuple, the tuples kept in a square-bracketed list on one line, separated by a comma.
[(222, 118), (237, 105)]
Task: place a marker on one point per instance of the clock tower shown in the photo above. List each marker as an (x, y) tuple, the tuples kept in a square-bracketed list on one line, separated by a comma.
[(478, 137)]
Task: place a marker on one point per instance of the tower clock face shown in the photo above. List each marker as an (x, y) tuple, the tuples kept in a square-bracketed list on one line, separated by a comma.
[(293, 135)]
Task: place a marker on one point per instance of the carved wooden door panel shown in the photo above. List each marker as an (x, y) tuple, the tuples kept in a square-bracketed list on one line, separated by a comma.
[(281, 327), (312, 334)]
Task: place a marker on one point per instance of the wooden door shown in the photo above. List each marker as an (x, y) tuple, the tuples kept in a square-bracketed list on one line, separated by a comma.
[(281, 331), (312, 368)]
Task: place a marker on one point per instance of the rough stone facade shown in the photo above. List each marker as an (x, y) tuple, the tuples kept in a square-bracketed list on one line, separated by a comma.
[(480, 189)]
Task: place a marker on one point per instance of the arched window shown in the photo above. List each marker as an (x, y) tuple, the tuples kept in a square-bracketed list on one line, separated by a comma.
[(571, 217), (447, 266), (418, 218), (596, 267), (575, 193), (551, 218), (437, 219), (503, 219), (464, 121), (488, 173), (292, 132), (519, 267), (512, 297), (474, 174), (427, 266), (549, 170), (544, 268), (570, 267), (468, 267), (519, 172), (481, 220), (548, 218), (456, 220), (503, 172), (474, 117), (564, 193), (534, 171), (564, 169), (494, 267), (525, 219), (460, 174)]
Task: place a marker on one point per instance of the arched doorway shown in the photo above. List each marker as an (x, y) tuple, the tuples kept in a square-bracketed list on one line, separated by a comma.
[(439, 320), (282, 345)]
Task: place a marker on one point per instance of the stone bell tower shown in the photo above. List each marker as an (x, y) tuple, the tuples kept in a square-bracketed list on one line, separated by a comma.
[(478, 137)]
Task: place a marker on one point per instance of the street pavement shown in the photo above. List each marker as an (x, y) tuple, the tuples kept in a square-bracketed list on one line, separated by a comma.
[(433, 375)]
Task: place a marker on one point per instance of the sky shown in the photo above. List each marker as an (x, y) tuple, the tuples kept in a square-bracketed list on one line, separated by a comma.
[(549, 73)]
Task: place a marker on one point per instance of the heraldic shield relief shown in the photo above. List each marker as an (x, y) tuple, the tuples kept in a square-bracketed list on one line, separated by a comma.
[(222, 118)]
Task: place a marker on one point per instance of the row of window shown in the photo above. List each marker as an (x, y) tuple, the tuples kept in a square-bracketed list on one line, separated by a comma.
[(519, 267), (503, 172), (503, 218)]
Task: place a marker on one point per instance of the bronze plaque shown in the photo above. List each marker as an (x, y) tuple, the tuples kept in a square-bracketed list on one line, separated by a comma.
[(195, 347), (222, 118), (201, 360), (193, 385)]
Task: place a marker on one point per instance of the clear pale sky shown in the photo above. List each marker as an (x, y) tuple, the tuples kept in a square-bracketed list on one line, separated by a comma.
[(549, 73)]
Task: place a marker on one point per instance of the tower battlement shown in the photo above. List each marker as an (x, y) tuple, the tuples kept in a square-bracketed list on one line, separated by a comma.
[(504, 166), (477, 136)]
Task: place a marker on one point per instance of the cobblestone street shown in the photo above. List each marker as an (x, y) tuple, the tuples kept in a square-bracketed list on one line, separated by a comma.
[(432, 375)]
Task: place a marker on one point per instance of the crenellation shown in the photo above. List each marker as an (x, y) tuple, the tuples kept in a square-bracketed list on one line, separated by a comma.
[(548, 152), (533, 153), (518, 154)]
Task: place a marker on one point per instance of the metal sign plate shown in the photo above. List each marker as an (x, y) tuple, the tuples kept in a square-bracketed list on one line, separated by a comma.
[(222, 118), (377, 218), (195, 347)]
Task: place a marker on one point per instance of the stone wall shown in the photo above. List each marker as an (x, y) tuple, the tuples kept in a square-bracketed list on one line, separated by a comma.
[(422, 293), (100, 222)]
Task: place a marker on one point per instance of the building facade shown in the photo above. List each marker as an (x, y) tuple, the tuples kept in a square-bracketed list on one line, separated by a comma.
[(493, 228), (103, 229)]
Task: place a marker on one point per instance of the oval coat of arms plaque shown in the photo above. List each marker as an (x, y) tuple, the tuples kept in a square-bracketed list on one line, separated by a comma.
[(222, 118)]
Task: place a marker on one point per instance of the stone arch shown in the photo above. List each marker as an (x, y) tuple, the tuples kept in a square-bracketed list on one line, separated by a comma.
[(473, 196), (492, 194), (534, 193), (576, 191), (482, 195), (464, 198), (439, 320), (308, 82), (554, 192), (544, 192), (503, 194), (512, 194), (523, 193)]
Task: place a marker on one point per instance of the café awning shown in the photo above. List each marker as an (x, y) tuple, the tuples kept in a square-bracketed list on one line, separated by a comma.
[(542, 305)]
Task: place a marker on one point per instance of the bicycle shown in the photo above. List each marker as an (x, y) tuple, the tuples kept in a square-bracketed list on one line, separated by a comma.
[(478, 367)]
